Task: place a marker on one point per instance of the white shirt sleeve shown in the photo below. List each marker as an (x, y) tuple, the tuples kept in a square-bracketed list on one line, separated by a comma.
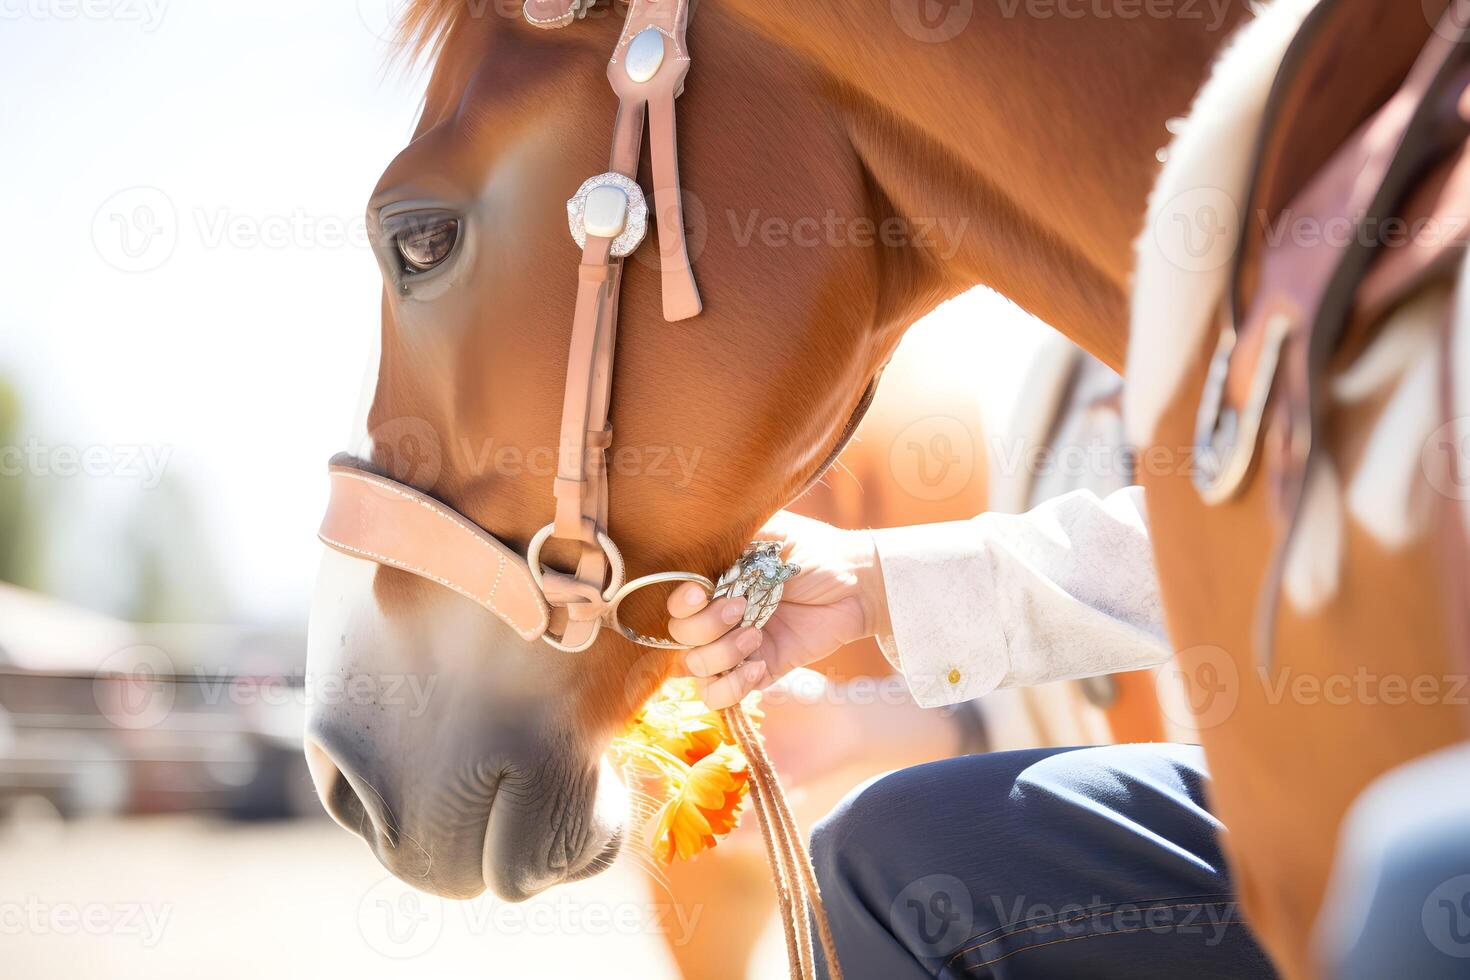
[(1009, 600)]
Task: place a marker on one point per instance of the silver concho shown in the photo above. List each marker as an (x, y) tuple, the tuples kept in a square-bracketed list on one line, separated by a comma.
[(645, 55), (760, 575), (635, 227)]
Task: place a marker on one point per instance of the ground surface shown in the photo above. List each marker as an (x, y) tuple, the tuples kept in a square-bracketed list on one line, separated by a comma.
[(185, 898)]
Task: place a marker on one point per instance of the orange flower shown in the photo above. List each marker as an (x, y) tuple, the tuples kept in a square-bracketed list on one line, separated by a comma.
[(680, 750), (705, 808)]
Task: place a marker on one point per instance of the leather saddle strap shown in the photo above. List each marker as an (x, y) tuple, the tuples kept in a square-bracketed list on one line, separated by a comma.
[(1367, 180), (1298, 136)]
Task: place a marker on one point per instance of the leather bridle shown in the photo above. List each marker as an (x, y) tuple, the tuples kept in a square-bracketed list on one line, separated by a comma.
[(377, 518)]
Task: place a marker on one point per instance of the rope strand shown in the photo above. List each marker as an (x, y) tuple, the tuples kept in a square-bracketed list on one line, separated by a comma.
[(801, 857), (791, 864), (786, 839), (783, 884)]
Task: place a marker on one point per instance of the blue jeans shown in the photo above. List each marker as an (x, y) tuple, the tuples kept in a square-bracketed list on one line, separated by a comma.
[(1093, 863)]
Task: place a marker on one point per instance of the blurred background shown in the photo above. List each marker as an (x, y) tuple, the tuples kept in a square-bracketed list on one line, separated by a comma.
[(184, 340)]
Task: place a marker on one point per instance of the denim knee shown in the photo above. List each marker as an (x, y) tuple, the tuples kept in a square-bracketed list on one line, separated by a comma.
[(1019, 796)]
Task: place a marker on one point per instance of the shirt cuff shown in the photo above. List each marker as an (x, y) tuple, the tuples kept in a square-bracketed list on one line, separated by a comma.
[(947, 639)]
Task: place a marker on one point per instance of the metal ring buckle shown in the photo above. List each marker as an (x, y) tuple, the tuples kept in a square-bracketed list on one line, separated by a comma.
[(657, 578), (1225, 444), (759, 575), (615, 563)]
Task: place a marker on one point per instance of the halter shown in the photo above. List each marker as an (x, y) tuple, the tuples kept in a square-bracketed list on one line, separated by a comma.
[(381, 520), (377, 518)]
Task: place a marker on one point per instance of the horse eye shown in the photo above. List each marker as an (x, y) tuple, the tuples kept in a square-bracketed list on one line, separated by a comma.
[(425, 241)]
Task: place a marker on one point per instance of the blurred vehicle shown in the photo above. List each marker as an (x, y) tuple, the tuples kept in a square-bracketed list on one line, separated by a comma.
[(98, 716)]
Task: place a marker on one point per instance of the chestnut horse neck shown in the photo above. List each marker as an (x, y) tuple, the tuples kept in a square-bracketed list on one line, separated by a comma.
[(1013, 143), (1022, 137)]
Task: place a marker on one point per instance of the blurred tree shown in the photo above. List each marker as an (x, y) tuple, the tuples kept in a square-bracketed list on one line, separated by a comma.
[(18, 517), (138, 553), (176, 576)]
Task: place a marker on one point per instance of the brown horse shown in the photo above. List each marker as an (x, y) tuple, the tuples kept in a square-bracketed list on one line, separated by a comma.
[(846, 167)]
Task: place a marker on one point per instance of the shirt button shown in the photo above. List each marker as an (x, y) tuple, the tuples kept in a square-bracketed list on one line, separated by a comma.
[(954, 675)]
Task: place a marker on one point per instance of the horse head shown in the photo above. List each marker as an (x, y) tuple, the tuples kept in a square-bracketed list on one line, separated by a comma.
[(466, 756)]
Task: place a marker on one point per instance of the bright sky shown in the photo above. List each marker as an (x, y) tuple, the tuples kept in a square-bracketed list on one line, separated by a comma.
[(184, 257)]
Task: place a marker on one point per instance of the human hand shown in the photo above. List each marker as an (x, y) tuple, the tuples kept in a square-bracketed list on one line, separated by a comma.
[(836, 599)]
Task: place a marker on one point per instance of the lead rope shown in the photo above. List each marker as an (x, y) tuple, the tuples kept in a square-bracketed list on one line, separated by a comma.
[(779, 877), (797, 892), (778, 852)]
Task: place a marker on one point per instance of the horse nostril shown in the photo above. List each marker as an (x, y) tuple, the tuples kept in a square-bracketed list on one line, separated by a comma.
[(362, 814)]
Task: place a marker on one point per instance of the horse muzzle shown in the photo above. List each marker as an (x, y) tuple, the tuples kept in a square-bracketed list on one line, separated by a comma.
[(525, 838)]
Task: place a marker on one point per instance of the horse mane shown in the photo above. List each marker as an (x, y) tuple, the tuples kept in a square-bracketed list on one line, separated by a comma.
[(425, 26)]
